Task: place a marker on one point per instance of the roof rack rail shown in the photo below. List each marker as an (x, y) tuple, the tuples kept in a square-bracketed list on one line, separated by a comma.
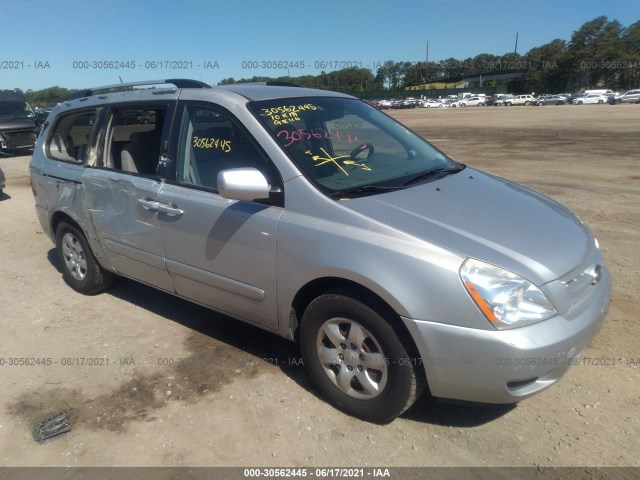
[(178, 82), (274, 83), (268, 83)]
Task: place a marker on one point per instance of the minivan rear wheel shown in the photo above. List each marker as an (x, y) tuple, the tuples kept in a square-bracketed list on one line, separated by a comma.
[(356, 359), (80, 269)]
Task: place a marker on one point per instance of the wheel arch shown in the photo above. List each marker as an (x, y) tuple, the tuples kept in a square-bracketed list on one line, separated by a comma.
[(59, 217), (359, 292), (320, 286), (96, 248)]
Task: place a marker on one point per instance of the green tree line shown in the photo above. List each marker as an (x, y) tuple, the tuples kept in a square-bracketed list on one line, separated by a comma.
[(601, 53)]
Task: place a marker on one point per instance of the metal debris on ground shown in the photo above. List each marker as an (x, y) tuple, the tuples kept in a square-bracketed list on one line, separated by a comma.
[(51, 428)]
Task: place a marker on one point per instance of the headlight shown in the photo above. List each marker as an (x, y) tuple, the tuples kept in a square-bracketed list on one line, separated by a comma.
[(506, 299)]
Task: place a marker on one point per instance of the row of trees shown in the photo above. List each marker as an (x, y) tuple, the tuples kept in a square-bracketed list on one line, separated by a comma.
[(600, 53), (48, 96)]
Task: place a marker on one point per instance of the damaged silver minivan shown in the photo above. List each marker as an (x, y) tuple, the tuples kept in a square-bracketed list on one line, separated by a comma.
[(313, 215)]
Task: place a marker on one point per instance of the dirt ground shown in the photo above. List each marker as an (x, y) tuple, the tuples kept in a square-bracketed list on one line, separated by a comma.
[(239, 398)]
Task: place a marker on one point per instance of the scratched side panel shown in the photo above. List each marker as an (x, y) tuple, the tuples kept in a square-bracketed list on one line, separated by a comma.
[(57, 188), (128, 232)]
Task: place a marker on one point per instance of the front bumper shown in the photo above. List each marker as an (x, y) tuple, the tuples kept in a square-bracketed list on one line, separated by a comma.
[(506, 366), (17, 141)]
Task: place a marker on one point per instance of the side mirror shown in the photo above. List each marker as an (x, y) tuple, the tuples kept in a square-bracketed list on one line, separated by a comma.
[(243, 184)]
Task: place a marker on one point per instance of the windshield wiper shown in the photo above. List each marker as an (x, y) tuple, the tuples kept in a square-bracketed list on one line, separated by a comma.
[(364, 189), (430, 173)]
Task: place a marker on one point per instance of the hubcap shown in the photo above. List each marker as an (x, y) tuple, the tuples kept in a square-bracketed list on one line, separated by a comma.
[(352, 358), (74, 257)]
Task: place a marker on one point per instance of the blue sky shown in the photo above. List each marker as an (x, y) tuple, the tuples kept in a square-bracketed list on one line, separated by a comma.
[(239, 34)]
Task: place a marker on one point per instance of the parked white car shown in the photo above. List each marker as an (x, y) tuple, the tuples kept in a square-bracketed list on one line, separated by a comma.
[(473, 102), (520, 100), (430, 104), (592, 98)]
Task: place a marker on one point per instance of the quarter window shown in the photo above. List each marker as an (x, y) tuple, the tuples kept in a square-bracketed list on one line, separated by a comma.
[(70, 137)]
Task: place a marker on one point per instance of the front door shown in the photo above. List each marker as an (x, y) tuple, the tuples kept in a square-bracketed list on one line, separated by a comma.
[(220, 253)]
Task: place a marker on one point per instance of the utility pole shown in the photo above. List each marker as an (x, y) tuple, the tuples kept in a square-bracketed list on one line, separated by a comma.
[(516, 49), (426, 67)]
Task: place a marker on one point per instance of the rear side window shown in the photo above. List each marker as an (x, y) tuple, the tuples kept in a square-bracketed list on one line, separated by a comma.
[(134, 139), (70, 136)]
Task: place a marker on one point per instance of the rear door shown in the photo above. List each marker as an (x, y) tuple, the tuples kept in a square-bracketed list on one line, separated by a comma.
[(122, 186), (220, 253)]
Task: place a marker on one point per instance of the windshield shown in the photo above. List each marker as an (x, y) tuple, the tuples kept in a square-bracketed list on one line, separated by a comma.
[(15, 110), (343, 144)]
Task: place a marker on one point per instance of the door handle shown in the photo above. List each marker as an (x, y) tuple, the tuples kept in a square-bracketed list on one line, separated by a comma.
[(149, 204), (170, 210)]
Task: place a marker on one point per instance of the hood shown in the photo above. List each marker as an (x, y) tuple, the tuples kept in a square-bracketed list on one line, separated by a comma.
[(17, 124), (488, 218)]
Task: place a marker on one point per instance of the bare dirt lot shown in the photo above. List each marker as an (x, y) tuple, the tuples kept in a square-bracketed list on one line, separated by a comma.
[(240, 398)]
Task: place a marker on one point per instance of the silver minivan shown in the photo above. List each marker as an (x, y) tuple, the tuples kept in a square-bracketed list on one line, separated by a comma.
[(313, 215)]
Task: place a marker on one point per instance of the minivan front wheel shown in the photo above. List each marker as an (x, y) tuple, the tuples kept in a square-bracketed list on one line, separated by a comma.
[(356, 359), (80, 269)]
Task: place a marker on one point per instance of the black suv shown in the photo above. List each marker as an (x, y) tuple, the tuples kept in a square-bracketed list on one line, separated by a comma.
[(18, 124)]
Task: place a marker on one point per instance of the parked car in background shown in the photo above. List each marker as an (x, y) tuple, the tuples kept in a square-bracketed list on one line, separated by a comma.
[(384, 104), (498, 100), (575, 97), (18, 123), (472, 102), (591, 99), (520, 100), (430, 103), (551, 100), (632, 96), (2, 182), (406, 103), (599, 91), (41, 114)]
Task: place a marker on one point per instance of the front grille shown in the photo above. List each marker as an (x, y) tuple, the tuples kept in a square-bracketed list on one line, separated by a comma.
[(19, 138), (586, 279), (581, 280)]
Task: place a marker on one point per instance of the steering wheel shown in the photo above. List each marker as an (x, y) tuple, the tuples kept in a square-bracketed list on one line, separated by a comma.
[(361, 148)]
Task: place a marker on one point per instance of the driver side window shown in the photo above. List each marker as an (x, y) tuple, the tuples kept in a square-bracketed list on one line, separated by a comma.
[(210, 141)]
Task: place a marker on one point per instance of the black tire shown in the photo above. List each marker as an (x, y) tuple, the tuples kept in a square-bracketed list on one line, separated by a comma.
[(80, 269), (343, 315)]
